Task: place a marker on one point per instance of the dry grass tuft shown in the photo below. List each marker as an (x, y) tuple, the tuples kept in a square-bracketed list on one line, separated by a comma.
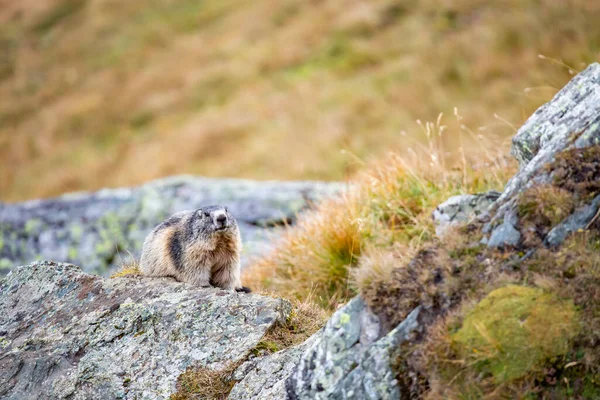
[(131, 268), (307, 317), (541, 208), (335, 250), (205, 383)]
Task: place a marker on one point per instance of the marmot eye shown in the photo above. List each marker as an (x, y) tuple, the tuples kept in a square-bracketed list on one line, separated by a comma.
[(226, 209), (206, 214)]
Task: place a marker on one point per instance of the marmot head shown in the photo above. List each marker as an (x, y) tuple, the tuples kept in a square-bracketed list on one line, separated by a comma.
[(213, 221)]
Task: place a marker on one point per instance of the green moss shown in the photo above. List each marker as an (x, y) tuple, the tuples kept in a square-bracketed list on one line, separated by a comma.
[(72, 253), (5, 264), (265, 347), (344, 319), (513, 331), (32, 226), (76, 232)]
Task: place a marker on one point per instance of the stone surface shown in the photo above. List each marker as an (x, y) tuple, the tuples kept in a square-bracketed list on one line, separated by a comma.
[(341, 366), (571, 120), (578, 220), (462, 208), (572, 110), (264, 378), (347, 359), (67, 334), (506, 234), (103, 229)]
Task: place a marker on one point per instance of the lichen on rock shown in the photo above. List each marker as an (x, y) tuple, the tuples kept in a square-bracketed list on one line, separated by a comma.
[(67, 334)]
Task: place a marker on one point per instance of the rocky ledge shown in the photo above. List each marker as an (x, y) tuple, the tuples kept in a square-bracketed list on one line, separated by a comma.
[(66, 334)]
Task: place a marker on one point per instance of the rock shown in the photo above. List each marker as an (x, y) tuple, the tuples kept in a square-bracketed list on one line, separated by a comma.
[(578, 220), (571, 111), (567, 127), (103, 229), (462, 208), (67, 334), (347, 359), (264, 378), (506, 234)]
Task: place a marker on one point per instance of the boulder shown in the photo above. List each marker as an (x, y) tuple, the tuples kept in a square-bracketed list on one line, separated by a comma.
[(347, 359), (462, 208), (67, 334), (558, 149), (101, 230)]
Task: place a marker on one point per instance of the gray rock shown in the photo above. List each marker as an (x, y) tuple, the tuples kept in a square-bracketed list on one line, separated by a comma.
[(579, 219), (506, 234), (346, 362), (461, 209), (67, 334), (571, 110), (570, 120), (103, 229), (264, 378)]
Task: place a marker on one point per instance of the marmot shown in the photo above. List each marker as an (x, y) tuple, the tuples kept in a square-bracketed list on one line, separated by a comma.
[(201, 247)]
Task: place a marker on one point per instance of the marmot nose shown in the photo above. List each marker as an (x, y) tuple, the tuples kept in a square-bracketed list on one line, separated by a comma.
[(221, 220)]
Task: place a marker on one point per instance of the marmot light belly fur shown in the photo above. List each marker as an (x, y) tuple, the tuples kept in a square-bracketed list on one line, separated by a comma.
[(201, 247)]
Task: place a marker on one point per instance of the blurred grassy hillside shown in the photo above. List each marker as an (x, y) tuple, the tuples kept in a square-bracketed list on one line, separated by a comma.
[(97, 93)]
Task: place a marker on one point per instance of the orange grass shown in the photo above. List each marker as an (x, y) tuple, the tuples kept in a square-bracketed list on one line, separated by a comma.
[(341, 245)]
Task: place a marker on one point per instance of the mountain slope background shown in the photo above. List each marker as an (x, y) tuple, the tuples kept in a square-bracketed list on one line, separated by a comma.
[(97, 93)]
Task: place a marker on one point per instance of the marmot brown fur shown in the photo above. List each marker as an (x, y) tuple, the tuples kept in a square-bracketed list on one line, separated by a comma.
[(201, 247)]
